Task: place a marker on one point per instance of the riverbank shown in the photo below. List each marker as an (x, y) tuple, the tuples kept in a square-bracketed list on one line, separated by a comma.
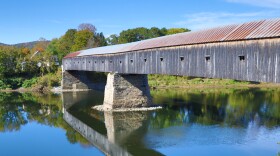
[(38, 88), (160, 82), (165, 81), (152, 87), (209, 86)]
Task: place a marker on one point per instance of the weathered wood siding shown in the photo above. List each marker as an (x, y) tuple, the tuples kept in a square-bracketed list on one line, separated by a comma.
[(261, 61)]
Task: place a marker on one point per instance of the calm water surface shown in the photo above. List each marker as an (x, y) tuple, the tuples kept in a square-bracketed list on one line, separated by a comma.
[(192, 122)]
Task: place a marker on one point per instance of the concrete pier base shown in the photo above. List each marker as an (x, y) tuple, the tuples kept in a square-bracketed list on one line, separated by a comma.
[(126, 91)]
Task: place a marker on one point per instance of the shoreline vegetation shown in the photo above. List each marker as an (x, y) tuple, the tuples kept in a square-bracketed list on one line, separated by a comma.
[(47, 84)]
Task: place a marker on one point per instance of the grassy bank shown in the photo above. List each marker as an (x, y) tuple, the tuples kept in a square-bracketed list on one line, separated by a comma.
[(167, 81), (46, 82)]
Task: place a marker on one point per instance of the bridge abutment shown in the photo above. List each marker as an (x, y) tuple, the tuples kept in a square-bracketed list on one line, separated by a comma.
[(79, 80), (126, 91), (72, 80)]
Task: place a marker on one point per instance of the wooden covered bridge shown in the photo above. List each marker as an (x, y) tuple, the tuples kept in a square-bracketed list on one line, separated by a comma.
[(249, 51)]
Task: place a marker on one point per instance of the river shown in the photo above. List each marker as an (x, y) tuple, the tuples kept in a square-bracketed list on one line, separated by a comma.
[(192, 122)]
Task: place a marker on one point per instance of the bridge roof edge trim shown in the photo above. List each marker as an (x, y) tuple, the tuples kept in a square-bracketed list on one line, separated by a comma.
[(246, 31)]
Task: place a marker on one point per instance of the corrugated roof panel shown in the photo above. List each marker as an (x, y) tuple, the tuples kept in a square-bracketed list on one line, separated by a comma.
[(72, 54), (251, 30), (210, 35), (267, 29), (274, 30), (243, 31), (217, 34)]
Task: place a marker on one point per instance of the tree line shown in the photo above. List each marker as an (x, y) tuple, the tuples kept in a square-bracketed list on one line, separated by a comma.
[(141, 33), (39, 65)]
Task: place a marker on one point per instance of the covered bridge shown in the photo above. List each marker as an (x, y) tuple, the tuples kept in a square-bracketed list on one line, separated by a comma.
[(249, 51)]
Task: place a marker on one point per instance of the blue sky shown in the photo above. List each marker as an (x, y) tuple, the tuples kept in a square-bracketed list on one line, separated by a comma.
[(28, 20)]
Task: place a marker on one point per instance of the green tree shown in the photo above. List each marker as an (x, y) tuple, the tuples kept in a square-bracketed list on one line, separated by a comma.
[(176, 31), (133, 35), (62, 46), (53, 47), (66, 42), (8, 61), (141, 33), (99, 40), (163, 31), (83, 40), (156, 32), (113, 39), (74, 40)]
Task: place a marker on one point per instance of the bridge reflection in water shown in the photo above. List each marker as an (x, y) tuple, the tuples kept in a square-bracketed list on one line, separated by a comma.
[(111, 136), (98, 140)]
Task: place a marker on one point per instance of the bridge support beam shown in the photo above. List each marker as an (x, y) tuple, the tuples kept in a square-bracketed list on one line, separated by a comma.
[(126, 91)]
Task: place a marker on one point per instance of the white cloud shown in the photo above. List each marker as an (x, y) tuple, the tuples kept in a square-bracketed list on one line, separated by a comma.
[(261, 3), (204, 20)]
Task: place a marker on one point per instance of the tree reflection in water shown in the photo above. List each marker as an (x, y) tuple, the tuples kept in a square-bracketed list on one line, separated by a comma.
[(241, 108), (17, 109), (224, 107), (227, 108)]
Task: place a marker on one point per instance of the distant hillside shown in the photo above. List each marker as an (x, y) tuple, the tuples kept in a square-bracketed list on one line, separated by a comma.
[(2, 44), (27, 44)]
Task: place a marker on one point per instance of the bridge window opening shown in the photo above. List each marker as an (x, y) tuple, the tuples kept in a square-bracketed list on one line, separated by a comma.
[(111, 61), (182, 58), (161, 59), (88, 61), (242, 58), (78, 62), (145, 60), (120, 62), (207, 58), (131, 61), (102, 61), (95, 62)]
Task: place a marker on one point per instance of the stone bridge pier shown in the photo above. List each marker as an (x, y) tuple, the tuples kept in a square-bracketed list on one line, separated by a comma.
[(126, 91), (121, 90)]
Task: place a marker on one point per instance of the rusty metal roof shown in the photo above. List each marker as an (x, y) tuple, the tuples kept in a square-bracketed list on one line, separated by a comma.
[(72, 54), (251, 30)]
